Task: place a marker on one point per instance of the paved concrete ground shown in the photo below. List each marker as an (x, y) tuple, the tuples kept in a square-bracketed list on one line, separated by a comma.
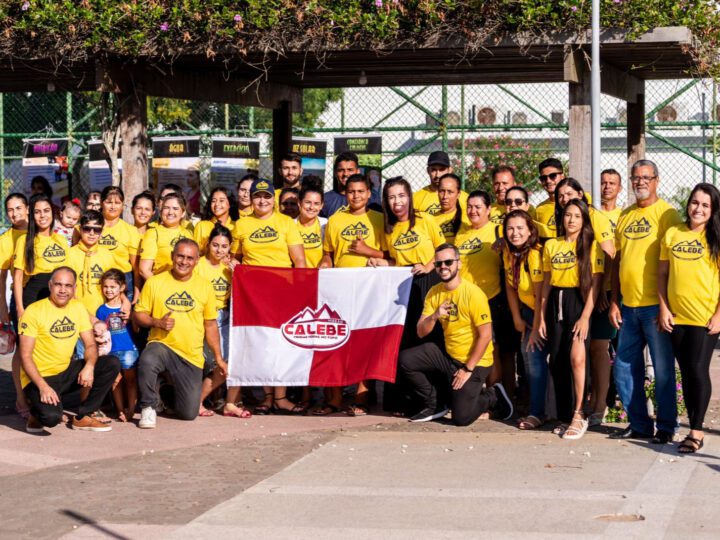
[(281, 477)]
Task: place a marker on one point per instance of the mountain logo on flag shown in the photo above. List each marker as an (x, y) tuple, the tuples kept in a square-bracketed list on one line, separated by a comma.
[(688, 250), (640, 228), (62, 328), (264, 235), (351, 232), (180, 302), (320, 330), (406, 240), (564, 261)]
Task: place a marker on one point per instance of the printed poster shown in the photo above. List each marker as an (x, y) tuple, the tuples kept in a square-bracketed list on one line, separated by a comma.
[(99, 168), (47, 158), (369, 151), (313, 153), (233, 158), (176, 160)]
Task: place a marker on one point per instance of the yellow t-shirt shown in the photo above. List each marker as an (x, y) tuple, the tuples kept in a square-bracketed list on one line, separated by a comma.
[(344, 227), (601, 226), (202, 231), (245, 213), (122, 240), (638, 235), (531, 272), (89, 271), (220, 277), (445, 222), (190, 303), (50, 253), (613, 216), (694, 279), (480, 262), (427, 201), (470, 309), (560, 259), (545, 219), (312, 238), (56, 331), (158, 243), (8, 241), (264, 242), (416, 245), (498, 211)]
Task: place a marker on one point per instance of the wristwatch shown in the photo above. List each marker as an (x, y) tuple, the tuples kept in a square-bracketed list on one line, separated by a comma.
[(464, 367)]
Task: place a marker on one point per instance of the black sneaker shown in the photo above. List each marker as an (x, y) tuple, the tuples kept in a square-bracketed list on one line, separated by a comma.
[(503, 409), (428, 414)]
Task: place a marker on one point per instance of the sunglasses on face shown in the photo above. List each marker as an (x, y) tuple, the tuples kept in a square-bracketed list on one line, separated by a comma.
[(446, 262), (516, 202), (88, 229), (552, 176)]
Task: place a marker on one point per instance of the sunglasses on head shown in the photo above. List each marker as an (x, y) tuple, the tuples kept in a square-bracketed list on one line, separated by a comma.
[(551, 176), (516, 202), (89, 229), (446, 262)]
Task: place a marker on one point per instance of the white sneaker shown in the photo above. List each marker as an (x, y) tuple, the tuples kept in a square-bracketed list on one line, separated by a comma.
[(148, 418)]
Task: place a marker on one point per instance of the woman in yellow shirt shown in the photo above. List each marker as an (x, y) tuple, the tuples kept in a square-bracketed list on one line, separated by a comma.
[(158, 242), (573, 270), (143, 209), (451, 215), (310, 224), (281, 246), (522, 258), (689, 287), (245, 207), (221, 207)]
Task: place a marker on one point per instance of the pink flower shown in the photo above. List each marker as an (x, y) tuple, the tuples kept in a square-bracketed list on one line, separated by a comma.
[(378, 3), (164, 27), (237, 18), (574, 8), (25, 6)]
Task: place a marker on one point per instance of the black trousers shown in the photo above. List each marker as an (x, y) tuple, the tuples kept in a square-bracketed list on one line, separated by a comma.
[(564, 308), (429, 373), (693, 348), (106, 371), (186, 378)]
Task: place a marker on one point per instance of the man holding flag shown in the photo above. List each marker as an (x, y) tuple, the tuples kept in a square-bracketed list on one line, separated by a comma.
[(457, 375)]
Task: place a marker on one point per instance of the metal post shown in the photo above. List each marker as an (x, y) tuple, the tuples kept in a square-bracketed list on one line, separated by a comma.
[(443, 119), (704, 139), (2, 152), (462, 136), (713, 115), (227, 117), (342, 113), (595, 101), (251, 121)]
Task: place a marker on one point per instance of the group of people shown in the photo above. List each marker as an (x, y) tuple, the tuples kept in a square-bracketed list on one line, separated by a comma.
[(501, 290)]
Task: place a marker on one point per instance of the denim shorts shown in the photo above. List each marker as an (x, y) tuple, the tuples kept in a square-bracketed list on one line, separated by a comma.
[(128, 359)]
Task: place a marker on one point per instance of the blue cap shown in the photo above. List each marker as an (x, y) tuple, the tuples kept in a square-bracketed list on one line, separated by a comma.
[(262, 185)]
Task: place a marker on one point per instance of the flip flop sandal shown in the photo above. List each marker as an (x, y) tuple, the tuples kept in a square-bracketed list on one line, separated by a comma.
[(244, 413), (264, 409), (295, 410), (358, 409), (530, 422), (325, 410), (690, 445)]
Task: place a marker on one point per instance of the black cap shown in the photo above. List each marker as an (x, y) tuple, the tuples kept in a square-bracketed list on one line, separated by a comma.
[(439, 158)]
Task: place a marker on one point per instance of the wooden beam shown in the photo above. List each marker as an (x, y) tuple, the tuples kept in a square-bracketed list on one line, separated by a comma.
[(635, 136), (619, 84), (579, 136), (573, 65), (133, 133), (199, 85), (281, 138)]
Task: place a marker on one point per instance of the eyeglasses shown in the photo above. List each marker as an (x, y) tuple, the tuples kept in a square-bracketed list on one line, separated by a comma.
[(637, 179), (552, 176), (88, 229), (446, 262), (516, 202)]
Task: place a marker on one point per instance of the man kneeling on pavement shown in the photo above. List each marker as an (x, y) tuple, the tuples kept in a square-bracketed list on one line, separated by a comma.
[(49, 330), (455, 376)]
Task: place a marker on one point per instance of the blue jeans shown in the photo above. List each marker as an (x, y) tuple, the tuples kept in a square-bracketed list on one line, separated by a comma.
[(639, 328), (536, 367)]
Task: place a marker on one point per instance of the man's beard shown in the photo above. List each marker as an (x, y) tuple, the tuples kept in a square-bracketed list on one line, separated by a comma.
[(450, 278), (642, 195)]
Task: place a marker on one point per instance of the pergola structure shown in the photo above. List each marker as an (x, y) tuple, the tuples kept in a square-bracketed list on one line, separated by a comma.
[(277, 83)]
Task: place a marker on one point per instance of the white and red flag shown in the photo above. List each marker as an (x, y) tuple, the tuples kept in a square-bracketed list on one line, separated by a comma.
[(330, 327)]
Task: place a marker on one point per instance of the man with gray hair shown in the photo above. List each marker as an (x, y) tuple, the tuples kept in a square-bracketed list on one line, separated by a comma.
[(180, 309), (639, 232)]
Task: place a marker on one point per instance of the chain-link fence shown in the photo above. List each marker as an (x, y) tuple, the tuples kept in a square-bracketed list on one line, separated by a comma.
[(480, 126)]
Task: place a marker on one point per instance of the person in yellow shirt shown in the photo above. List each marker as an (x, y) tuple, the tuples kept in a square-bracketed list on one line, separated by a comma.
[(551, 172), (451, 214), (573, 267), (143, 208), (355, 234), (689, 290), (221, 207), (482, 266), (638, 236), (180, 309), (454, 378), (268, 238), (522, 260), (158, 242), (503, 180), (426, 199), (48, 330), (243, 194), (310, 224)]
